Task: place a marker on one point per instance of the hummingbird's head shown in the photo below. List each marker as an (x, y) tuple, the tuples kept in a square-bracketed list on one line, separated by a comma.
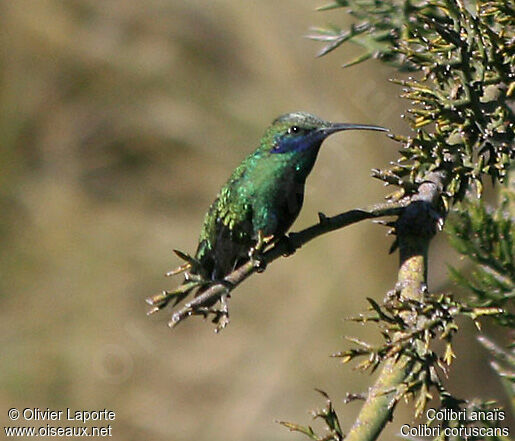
[(299, 132)]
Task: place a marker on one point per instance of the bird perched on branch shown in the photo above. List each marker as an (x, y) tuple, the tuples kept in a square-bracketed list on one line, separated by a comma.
[(257, 205)]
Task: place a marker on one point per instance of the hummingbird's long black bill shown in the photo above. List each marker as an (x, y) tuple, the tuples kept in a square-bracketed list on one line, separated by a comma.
[(338, 127)]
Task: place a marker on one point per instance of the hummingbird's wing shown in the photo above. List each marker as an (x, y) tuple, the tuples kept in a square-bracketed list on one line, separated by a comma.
[(227, 233)]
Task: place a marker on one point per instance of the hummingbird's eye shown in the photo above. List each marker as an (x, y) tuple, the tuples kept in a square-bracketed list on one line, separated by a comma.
[(293, 129)]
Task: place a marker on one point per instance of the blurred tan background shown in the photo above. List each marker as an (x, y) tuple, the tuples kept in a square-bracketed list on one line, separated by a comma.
[(119, 122)]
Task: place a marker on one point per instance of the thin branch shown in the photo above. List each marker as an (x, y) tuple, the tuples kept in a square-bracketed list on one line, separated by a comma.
[(284, 247)]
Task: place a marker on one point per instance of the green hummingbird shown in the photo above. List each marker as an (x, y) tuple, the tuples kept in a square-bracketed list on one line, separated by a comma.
[(259, 202)]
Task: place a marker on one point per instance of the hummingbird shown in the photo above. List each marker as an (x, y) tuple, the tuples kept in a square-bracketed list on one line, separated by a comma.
[(258, 203)]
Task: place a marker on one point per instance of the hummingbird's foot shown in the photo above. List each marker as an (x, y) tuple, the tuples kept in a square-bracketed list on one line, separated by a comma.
[(256, 252)]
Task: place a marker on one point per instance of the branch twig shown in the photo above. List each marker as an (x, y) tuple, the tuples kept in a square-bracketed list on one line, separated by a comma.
[(282, 248)]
